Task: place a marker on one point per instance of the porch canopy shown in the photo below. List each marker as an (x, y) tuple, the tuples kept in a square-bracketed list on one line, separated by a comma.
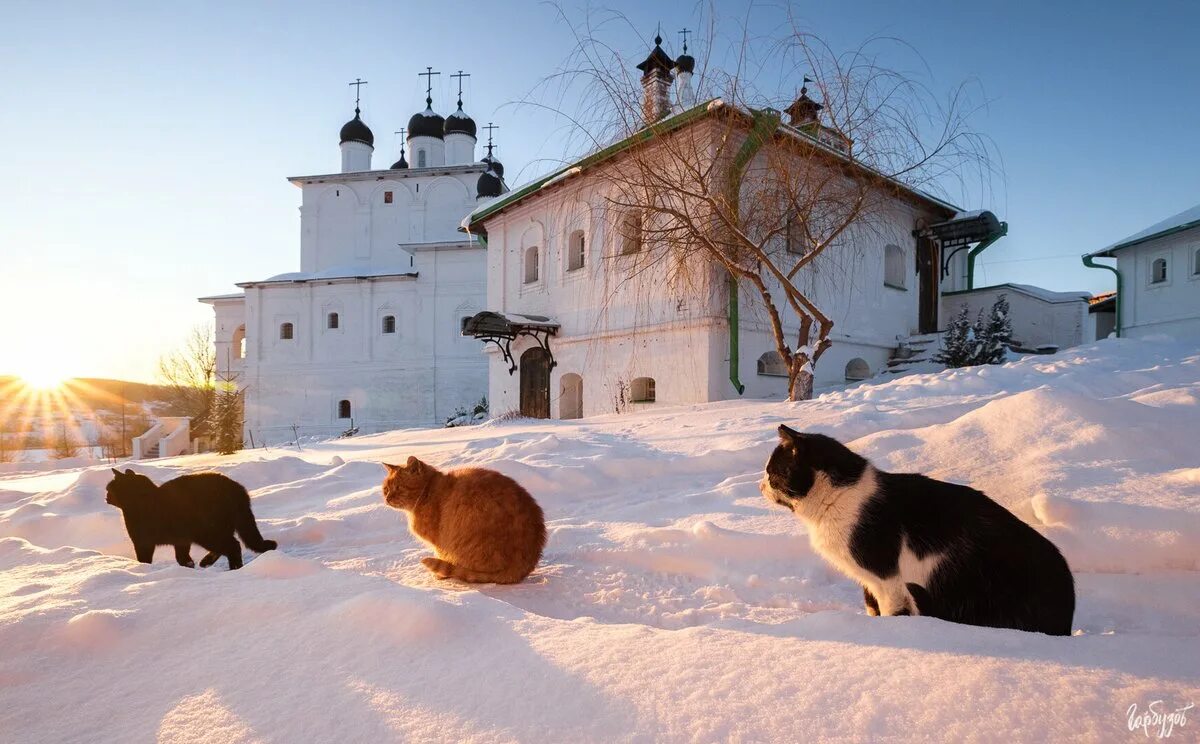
[(502, 329)]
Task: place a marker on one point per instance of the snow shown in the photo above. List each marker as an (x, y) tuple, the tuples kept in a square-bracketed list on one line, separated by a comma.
[(1186, 217), (333, 272), (673, 603)]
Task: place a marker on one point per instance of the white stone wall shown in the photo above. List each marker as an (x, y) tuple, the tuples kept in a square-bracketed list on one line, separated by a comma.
[(621, 320), (416, 376), (349, 222), (1170, 307), (1038, 319)]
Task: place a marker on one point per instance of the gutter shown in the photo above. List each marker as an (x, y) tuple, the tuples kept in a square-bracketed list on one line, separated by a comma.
[(979, 249), (765, 123), (1090, 262)]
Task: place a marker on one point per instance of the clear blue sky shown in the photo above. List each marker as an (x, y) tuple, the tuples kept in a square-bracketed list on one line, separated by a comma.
[(146, 143)]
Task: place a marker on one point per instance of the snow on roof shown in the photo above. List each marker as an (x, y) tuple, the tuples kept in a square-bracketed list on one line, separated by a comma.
[(1186, 219), (334, 272), (220, 297), (1040, 293)]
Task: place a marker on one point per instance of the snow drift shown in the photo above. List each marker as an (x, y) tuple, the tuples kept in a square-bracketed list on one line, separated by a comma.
[(672, 604)]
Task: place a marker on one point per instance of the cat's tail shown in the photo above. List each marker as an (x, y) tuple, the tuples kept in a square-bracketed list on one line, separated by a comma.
[(247, 529), (447, 570)]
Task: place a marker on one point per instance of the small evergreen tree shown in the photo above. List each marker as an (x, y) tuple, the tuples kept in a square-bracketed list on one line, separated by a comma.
[(996, 333), (225, 419), (958, 343)]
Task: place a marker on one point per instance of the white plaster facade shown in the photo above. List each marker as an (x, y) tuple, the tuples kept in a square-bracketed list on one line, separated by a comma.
[(622, 324), (367, 332), (1160, 278), (1039, 317)]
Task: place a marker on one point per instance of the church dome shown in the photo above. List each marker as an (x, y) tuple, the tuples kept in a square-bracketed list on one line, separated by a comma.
[(490, 184), (493, 164), (685, 63), (400, 164), (356, 130), (426, 124), (459, 123)]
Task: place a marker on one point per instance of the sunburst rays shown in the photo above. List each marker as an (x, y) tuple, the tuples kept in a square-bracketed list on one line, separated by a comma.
[(50, 410)]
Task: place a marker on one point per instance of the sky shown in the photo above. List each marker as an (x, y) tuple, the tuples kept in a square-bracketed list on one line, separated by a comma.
[(146, 144)]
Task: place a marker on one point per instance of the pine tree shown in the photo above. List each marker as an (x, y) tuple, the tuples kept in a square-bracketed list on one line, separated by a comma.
[(996, 334), (958, 343), (225, 419)]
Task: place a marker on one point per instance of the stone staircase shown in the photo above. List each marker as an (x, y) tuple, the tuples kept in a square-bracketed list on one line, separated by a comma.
[(912, 351)]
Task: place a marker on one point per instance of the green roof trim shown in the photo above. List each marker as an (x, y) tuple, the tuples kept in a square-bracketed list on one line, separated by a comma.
[(670, 124)]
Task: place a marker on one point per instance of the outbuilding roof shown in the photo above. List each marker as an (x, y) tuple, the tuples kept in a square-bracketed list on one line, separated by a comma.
[(1185, 220)]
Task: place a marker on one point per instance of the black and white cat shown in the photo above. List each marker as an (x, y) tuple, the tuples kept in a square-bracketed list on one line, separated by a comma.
[(917, 545)]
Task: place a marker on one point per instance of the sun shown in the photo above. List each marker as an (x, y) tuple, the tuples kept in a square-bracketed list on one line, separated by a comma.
[(42, 379)]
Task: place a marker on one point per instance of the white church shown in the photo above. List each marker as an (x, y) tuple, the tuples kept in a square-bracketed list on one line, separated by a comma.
[(366, 335)]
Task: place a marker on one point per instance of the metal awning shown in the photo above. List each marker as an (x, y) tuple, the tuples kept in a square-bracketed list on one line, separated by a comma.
[(502, 329)]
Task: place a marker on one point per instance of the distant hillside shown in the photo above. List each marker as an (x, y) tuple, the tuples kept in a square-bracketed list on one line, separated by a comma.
[(100, 394)]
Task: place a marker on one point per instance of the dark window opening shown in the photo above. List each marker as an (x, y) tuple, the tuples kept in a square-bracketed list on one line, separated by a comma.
[(286, 331), (389, 324), (333, 320), (343, 409), (387, 197)]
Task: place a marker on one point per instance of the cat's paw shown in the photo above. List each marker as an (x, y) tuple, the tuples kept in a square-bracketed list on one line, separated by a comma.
[(189, 564), (438, 567)]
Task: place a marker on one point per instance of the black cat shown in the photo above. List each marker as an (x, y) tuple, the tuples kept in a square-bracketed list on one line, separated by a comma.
[(203, 508), (918, 545)]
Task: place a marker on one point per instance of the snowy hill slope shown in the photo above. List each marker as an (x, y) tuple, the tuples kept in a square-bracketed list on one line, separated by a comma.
[(673, 603)]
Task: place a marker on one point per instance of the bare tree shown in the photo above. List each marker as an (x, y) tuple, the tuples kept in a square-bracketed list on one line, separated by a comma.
[(189, 374), (728, 189)]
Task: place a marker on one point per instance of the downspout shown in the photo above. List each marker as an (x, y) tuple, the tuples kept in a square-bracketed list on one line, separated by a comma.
[(979, 249), (1090, 262), (765, 122)]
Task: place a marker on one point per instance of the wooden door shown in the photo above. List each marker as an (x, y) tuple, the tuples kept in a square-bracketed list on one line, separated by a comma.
[(928, 270), (535, 383)]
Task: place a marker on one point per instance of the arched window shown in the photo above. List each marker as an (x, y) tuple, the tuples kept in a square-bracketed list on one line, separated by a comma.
[(1196, 262), (893, 266), (421, 158), (857, 369), (1158, 271), (332, 320), (343, 409), (631, 233), (286, 331), (641, 390), (531, 264), (239, 343), (770, 364), (570, 403), (389, 324), (575, 251)]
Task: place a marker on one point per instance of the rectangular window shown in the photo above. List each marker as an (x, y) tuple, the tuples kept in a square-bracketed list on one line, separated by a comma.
[(387, 197), (575, 251)]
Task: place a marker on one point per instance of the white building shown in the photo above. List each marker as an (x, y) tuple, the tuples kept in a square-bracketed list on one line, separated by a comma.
[(366, 334), (570, 334), (1158, 277)]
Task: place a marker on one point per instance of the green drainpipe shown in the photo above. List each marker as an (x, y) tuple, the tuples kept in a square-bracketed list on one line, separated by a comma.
[(1090, 262), (765, 122), (979, 249)]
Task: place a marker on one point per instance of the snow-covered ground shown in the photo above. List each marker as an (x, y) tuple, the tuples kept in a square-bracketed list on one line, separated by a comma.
[(673, 603)]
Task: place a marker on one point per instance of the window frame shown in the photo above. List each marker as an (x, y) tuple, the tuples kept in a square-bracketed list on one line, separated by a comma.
[(349, 408), (574, 250), (287, 331), (536, 252), (628, 217), (1155, 261), (648, 395), (899, 263), (383, 331), (333, 320), (761, 367)]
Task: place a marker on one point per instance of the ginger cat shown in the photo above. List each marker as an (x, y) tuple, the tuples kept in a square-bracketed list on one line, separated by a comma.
[(482, 526)]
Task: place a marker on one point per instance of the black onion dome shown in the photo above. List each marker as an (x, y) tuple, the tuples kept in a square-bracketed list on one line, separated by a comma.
[(426, 124), (686, 63), (490, 184), (400, 164), (356, 130), (459, 123), (658, 61), (493, 164)]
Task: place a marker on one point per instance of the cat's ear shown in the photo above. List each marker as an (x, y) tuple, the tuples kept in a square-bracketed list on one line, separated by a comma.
[(414, 464), (129, 471), (392, 468), (788, 435), (116, 472)]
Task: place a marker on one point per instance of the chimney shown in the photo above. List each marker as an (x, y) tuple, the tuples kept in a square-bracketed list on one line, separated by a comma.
[(656, 83)]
